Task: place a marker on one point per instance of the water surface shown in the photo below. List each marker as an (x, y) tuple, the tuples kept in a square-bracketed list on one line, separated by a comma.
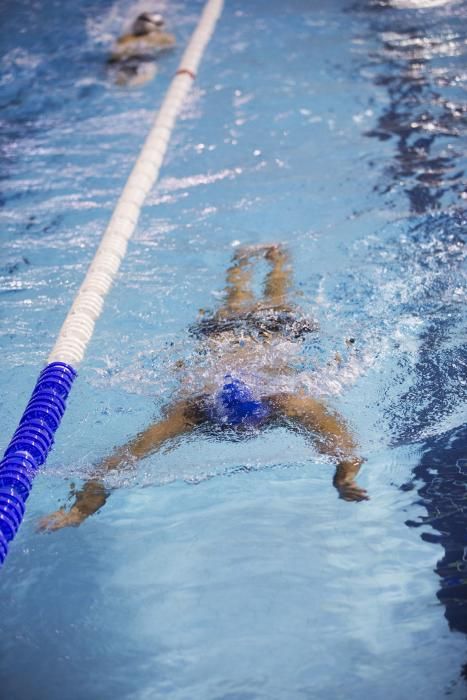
[(221, 569)]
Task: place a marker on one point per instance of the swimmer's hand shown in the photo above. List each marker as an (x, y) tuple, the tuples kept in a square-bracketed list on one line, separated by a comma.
[(344, 480), (350, 490), (61, 518)]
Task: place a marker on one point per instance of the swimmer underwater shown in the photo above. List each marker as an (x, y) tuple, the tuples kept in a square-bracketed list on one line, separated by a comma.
[(246, 348)]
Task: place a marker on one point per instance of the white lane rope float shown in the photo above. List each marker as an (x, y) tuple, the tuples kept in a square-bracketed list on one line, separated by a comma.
[(78, 327), (33, 439)]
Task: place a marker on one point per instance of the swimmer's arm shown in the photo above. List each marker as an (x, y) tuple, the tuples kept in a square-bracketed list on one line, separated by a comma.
[(93, 495), (331, 436)]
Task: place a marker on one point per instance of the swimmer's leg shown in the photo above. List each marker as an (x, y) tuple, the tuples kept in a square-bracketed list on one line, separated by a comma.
[(238, 290), (279, 280), (239, 295), (332, 437)]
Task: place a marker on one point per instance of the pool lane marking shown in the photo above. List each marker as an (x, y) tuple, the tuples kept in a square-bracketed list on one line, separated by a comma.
[(27, 451), (78, 327)]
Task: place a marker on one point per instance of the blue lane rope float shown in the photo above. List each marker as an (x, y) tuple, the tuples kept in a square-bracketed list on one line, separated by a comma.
[(30, 445), (34, 437)]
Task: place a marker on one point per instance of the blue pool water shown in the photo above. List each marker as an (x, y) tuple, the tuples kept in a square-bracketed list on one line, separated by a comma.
[(225, 570)]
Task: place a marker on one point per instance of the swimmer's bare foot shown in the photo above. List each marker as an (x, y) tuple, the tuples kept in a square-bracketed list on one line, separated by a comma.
[(59, 519), (268, 250), (276, 253)]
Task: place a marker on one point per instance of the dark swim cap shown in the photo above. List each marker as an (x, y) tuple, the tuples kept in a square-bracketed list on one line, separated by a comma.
[(236, 405)]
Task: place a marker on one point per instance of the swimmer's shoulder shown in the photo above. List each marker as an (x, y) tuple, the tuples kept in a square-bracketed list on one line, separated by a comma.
[(126, 39), (129, 45), (155, 40), (124, 47), (161, 40)]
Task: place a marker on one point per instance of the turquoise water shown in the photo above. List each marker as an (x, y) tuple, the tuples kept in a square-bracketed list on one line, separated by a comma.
[(231, 570)]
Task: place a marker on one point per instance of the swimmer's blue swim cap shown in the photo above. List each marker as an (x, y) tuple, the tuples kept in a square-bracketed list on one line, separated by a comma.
[(236, 405)]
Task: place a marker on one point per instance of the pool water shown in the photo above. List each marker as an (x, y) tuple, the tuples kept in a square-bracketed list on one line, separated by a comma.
[(221, 569)]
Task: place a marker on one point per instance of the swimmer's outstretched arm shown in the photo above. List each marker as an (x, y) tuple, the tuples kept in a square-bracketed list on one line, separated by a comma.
[(180, 419), (332, 437)]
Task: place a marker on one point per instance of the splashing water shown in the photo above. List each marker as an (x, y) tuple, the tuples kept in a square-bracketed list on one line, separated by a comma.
[(339, 130)]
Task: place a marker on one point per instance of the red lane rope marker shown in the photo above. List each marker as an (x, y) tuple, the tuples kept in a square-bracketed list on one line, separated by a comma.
[(189, 72)]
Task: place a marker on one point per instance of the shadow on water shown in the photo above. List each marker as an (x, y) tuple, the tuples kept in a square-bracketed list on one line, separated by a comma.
[(440, 478), (420, 63)]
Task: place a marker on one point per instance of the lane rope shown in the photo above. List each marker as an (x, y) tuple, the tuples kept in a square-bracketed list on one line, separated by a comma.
[(78, 327), (32, 441)]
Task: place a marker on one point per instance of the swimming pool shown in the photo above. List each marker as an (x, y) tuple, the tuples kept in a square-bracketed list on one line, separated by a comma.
[(231, 570)]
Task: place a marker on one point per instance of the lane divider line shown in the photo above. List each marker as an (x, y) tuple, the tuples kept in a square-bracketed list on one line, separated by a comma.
[(34, 437), (78, 327)]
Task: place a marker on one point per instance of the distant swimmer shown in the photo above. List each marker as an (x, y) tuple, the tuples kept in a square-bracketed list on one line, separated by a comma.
[(133, 56), (243, 380)]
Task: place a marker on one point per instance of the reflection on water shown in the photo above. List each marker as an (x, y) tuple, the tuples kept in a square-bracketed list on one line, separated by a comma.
[(440, 480), (422, 64), (426, 118)]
